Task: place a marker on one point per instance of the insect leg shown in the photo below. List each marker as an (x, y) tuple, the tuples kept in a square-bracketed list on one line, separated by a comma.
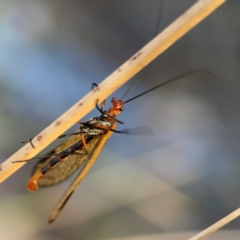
[(81, 135), (105, 114), (47, 155), (103, 105), (69, 151), (93, 86), (61, 136), (79, 122), (115, 119), (103, 127), (99, 109), (70, 134), (84, 143), (29, 141), (125, 131)]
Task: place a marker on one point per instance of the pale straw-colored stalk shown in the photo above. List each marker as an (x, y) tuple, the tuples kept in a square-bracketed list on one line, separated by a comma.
[(136, 63)]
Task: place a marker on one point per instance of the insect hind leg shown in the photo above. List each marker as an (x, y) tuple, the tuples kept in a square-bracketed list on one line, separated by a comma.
[(84, 143), (58, 156), (101, 110), (29, 141)]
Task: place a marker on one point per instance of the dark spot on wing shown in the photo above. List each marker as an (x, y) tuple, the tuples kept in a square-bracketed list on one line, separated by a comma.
[(119, 69), (80, 104)]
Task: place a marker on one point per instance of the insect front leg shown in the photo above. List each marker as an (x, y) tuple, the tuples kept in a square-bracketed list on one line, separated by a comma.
[(105, 114), (94, 85), (84, 143), (76, 133), (103, 105), (61, 136), (29, 141), (101, 110)]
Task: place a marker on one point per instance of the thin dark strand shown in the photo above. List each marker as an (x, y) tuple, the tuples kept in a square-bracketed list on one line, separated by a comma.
[(129, 89), (124, 131), (29, 141), (172, 80), (140, 131), (158, 23), (93, 86), (159, 17), (99, 109), (26, 160), (115, 119), (49, 155), (70, 134)]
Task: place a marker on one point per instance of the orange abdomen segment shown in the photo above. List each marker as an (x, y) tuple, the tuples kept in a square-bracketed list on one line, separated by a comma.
[(32, 185), (33, 181)]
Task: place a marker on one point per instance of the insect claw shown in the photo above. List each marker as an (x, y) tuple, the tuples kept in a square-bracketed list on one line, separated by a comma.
[(30, 140), (99, 109), (94, 85)]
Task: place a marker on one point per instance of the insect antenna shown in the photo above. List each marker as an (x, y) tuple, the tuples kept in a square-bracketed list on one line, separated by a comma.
[(159, 17), (129, 89), (157, 26), (172, 80)]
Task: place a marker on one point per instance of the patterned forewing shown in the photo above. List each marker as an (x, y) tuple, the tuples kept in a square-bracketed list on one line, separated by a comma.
[(69, 165), (61, 147), (62, 170)]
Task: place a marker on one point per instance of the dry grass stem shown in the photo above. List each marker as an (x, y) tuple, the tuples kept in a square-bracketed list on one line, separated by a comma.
[(137, 62), (224, 221)]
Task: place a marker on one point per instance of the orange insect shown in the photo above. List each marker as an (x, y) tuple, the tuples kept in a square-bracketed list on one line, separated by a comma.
[(82, 148)]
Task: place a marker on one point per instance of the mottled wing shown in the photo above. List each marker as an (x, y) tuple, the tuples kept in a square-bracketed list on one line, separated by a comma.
[(62, 170), (92, 157), (68, 166), (63, 146)]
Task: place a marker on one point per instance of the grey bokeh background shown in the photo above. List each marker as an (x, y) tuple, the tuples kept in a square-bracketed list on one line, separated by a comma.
[(165, 186)]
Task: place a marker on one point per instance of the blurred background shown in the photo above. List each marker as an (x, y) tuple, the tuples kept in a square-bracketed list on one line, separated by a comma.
[(169, 185)]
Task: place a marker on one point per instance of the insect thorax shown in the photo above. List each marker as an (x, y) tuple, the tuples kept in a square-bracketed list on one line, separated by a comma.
[(90, 125)]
